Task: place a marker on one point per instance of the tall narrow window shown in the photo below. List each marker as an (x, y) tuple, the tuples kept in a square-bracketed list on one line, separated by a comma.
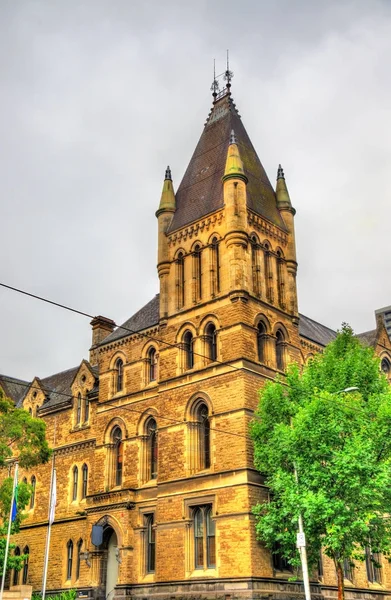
[(69, 559), (152, 364), (78, 558), (119, 378), (215, 267), (15, 578), (197, 273), (150, 544), (280, 563), (347, 569), (85, 481), (269, 275), (25, 573), (211, 341), (204, 537), (152, 442), (33, 486), (203, 436), (86, 408), (188, 347), (280, 350), (255, 266), (118, 455), (261, 342), (78, 409), (280, 280), (75, 477), (180, 263), (373, 564)]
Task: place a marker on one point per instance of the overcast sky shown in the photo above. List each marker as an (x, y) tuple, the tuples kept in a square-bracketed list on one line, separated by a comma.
[(97, 97)]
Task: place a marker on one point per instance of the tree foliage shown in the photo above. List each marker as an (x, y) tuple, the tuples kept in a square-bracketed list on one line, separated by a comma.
[(340, 443), (13, 562)]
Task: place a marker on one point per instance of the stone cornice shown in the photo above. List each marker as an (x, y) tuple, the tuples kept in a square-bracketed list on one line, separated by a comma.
[(75, 447), (194, 229), (267, 228), (129, 337)]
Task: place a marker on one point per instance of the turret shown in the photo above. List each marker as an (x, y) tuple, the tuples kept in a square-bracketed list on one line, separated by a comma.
[(164, 216), (287, 213), (235, 200)]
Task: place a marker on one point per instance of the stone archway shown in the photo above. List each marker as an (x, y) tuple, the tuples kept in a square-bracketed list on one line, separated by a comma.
[(106, 559)]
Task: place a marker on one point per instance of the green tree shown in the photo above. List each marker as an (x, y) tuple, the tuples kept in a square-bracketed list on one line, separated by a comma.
[(22, 437), (340, 444)]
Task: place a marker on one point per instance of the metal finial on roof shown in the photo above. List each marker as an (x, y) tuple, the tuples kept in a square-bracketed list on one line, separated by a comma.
[(232, 138), (228, 74), (215, 85), (280, 173), (168, 173)]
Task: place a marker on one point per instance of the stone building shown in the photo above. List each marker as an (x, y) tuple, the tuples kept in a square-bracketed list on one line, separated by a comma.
[(150, 435)]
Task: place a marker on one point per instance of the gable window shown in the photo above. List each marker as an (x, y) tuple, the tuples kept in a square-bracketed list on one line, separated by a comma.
[(69, 559), (197, 273), (78, 409), (204, 538), (118, 455), (119, 375), (215, 267), (15, 578), (373, 565), (78, 558), (180, 265), (203, 425), (75, 477), (33, 486), (188, 347), (255, 266), (280, 342), (211, 341), (152, 449), (150, 543), (152, 364), (261, 342), (25, 573), (85, 481)]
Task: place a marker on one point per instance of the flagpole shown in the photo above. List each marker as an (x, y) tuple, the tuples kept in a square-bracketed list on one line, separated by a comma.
[(9, 531), (52, 505)]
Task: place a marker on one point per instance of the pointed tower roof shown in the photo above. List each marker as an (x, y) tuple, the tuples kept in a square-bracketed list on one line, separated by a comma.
[(167, 200), (201, 189), (282, 194)]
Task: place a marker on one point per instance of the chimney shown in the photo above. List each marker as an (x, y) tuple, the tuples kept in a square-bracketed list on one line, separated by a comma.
[(101, 328)]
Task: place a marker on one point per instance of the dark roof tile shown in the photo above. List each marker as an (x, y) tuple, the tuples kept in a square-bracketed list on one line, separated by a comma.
[(145, 318), (316, 332)]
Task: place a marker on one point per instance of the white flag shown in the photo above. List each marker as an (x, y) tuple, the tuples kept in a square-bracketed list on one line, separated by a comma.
[(53, 498)]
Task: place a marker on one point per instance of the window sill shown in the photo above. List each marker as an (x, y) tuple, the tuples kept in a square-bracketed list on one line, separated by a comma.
[(283, 574), (149, 483), (148, 578), (202, 573), (372, 585), (81, 427)]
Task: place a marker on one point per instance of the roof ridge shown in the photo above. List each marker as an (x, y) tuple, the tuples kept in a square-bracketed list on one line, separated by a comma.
[(318, 323)]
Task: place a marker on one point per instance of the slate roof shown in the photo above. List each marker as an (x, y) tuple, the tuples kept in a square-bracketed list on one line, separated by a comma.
[(146, 317), (201, 189), (58, 387), (368, 337), (14, 388), (316, 332)]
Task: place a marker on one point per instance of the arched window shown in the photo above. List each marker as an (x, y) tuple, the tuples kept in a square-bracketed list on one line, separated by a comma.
[(152, 449), (75, 477), (204, 538), (180, 263), (373, 564), (24, 480), (33, 483), (255, 266), (78, 559), (85, 481), (69, 559), (188, 347), (202, 417), (151, 543), (15, 578), (215, 267), (261, 342), (86, 408), (118, 455), (386, 366), (152, 364), (25, 573), (280, 350), (197, 273), (269, 274), (280, 280), (36, 410), (119, 375), (211, 341), (78, 409)]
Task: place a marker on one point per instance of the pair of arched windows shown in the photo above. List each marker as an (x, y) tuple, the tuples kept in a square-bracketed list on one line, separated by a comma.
[(197, 273), (279, 343), (210, 346), (150, 453), (16, 574), (82, 403), (69, 559), (75, 482), (204, 537)]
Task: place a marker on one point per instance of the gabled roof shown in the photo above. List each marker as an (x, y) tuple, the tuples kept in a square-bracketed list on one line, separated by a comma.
[(316, 332), (58, 387), (146, 317), (368, 338), (15, 389), (201, 189)]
